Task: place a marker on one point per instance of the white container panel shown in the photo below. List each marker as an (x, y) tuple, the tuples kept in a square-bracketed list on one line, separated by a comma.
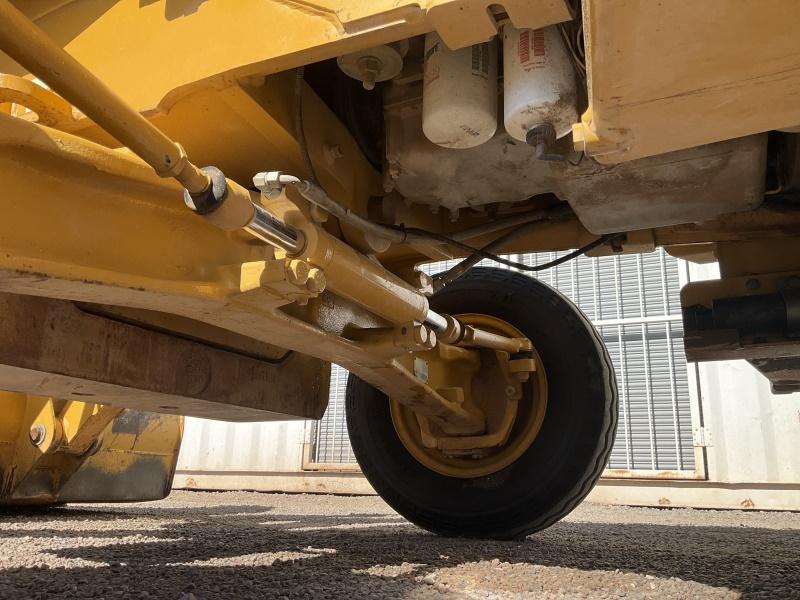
[(223, 446)]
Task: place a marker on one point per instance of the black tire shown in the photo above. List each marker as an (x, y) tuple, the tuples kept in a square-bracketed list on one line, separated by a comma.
[(564, 461)]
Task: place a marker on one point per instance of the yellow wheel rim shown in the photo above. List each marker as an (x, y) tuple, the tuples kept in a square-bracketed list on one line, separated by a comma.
[(530, 415)]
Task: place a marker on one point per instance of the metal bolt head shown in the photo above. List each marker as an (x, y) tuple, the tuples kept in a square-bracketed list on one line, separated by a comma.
[(752, 284), (297, 272), (510, 391), (423, 282), (333, 152), (38, 434), (418, 334), (316, 280), (370, 68), (431, 339)]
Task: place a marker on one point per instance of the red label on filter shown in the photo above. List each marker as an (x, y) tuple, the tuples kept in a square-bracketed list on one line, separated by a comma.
[(532, 49), (524, 46), (538, 42)]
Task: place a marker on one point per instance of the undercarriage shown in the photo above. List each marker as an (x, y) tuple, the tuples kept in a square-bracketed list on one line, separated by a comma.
[(206, 204)]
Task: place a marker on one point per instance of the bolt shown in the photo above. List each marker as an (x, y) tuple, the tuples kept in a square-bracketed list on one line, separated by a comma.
[(316, 280), (318, 214), (510, 391), (423, 279), (431, 339), (369, 68), (752, 284), (333, 152), (38, 434), (95, 446), (420, 335), (297, 272)]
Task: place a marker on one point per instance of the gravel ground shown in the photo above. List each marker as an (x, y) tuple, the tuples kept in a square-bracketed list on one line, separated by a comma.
[(199, 545)]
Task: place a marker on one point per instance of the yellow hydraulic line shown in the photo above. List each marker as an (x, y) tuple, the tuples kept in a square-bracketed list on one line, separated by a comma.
[(27, 44)]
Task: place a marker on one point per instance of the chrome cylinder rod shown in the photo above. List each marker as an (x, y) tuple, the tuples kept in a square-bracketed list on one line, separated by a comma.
[(436, 321), (268, 228)]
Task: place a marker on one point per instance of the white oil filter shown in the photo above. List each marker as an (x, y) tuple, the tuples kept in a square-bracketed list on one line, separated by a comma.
[(538, 81), (459, 98)]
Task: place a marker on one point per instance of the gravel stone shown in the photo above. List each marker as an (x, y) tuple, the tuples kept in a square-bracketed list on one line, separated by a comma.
[(208, 545)]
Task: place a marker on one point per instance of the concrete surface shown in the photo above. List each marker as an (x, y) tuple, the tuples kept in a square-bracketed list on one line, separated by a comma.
[(198, 545)]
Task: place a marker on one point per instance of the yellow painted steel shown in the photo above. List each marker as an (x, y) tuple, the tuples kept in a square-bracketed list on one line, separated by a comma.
[(348, 273), (172, 47), (661, 76), (85, 220), (47, 107), (119, 235), (26, 43), (58, 450), (513, 422), (82, 423), (670, 75)]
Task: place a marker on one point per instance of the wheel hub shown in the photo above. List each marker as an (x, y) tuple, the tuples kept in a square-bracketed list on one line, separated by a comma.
[(510, 391)]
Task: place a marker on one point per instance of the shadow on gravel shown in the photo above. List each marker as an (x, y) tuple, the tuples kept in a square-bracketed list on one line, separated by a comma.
[(255, 551)]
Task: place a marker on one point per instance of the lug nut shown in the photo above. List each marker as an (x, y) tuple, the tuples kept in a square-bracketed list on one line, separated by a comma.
[(38, 434)]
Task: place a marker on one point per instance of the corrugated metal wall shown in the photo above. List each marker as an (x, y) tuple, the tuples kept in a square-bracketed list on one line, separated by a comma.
[(222, 447), (331, 444), (633, 300)]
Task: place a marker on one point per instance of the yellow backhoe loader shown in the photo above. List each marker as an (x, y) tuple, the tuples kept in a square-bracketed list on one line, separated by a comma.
[(205, 203)]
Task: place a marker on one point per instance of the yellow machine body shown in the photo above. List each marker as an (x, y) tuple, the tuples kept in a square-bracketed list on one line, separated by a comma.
[(98, 248), (56, 451)]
